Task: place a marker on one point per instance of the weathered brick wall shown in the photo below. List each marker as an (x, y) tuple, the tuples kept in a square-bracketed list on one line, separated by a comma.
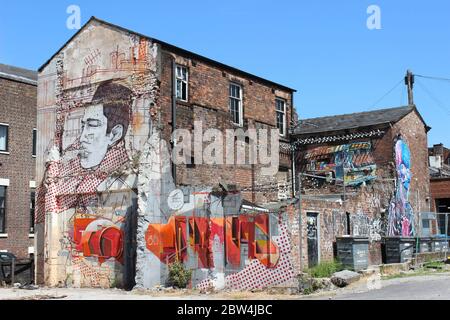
[(368, 205), (18, 109), (208, 102)]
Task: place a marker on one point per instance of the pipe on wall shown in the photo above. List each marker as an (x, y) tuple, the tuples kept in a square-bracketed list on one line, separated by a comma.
[(174, 115)]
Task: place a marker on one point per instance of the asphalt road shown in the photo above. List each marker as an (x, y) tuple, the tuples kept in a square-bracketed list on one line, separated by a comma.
[(429, 287)]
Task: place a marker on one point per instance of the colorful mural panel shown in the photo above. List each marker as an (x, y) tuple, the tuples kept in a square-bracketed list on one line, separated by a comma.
[(401, 216), (351, 163)]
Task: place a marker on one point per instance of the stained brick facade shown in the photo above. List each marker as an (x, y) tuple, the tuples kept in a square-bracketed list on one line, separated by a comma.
[(208, 102), (362, 209), (17, 165)]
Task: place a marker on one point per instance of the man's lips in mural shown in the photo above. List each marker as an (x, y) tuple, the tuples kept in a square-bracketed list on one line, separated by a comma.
[(83, 152)]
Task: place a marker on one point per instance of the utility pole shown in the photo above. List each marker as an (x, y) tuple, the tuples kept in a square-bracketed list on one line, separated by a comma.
[(409, 82)]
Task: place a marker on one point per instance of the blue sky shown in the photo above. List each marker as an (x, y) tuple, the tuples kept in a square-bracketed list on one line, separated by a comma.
[(321, 48)]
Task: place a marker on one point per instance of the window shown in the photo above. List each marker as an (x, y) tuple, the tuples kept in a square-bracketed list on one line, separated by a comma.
[(32, 209), (280, 106), (236, 104), (34, 141), (2, 209), (182, 83), (4, 128)]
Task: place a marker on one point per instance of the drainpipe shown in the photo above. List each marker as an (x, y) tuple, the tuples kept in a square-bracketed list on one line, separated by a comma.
[(174, 115), (293, 151), (297, 194)]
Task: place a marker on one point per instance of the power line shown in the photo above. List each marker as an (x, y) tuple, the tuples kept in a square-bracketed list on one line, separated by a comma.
[(387, 93), (436, 100), (432, 78)]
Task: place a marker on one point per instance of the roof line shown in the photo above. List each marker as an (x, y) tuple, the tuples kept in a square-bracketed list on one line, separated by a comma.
[(171, 47), (412, 108), (17, 78), (352, 113)]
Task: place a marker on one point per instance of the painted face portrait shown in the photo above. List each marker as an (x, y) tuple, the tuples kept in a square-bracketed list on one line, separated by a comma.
[(94, 139), (104, 123)]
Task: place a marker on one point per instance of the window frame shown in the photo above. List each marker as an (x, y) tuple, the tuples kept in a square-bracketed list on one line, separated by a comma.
[(34, 147), (240, 103), (3, 215), (186, 82), (284, 112), (32, 210), (6, 151)]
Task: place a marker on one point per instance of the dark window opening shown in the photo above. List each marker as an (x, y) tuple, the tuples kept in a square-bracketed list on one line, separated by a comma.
[(34, 141), (349, 229), (2, 209), (32, 210)]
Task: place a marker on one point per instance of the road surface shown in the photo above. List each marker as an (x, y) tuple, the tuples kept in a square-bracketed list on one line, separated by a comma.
[(428, 287)]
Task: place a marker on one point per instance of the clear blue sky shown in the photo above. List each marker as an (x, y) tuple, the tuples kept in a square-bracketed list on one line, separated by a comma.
[(321, 48)]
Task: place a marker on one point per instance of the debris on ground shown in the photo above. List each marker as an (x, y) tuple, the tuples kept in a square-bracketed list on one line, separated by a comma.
[(344, 278), (307, 284)]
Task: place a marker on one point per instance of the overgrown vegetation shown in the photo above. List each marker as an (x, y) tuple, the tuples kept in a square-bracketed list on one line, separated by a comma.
[(325, 269), (179, 276), (434, 265)]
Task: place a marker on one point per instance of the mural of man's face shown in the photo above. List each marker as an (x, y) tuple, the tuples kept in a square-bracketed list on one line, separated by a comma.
[(94, 138)]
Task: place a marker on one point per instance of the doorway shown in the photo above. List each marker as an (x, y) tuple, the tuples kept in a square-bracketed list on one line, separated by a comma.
[(312, 233)]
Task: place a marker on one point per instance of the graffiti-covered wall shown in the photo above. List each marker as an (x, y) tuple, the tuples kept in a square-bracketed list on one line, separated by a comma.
[(351, 163), (373, 188), (108, 211), (95, 103), (401, 216)]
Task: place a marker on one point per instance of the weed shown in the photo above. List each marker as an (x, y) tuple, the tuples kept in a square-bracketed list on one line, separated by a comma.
[(325, 269), (179, 276)]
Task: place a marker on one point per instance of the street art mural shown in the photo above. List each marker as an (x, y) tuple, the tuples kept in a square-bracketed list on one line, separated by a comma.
[(108, 211), (401, 216), (95, 102), (251, 247), (351, 164)]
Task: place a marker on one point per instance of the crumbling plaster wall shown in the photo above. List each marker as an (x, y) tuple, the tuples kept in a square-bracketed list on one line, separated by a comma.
[(97, 107)]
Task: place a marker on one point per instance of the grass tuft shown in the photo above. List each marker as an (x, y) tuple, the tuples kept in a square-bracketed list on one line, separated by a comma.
[(325, 269)]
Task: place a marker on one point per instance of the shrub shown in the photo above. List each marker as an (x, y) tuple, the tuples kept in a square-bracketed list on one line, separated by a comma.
[(179, 276), (325, 269)]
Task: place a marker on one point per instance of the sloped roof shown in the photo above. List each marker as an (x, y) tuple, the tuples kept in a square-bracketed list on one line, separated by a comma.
[(173, 48), (354, 120), (18, 74)]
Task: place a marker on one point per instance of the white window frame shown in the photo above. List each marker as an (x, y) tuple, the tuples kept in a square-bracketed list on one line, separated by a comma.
[(7, 138), (179, 78), (240, 101), (282, 134)]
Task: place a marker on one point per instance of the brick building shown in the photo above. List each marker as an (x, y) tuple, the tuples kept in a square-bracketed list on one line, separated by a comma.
[(439, 159), (362, 174), (111, 207), (17, 159), (204, 90)]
